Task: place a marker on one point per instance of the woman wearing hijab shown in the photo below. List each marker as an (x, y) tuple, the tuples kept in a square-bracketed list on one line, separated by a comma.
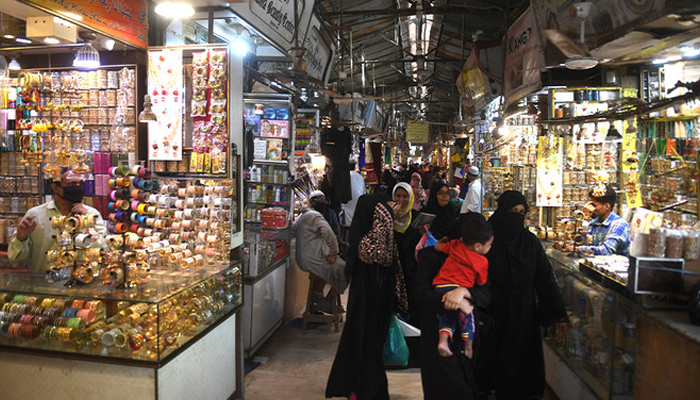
[(439, 205), (419, 195), (525, 296), (407, 238), (377, 281), (453, 377)]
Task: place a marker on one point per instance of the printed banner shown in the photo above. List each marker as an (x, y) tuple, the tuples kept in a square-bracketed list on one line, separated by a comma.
[(550, 167), (123, 20), (165, 85), (524, 59), (630, 167)]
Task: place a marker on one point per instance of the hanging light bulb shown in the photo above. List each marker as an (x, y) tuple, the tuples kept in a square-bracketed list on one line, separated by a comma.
[(14, 65), (87, 57), (147, 114)]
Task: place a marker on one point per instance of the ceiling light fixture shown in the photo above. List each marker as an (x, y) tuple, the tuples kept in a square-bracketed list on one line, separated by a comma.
[(174, 9), (87, 57), (51, 40), (23, 40), (8, 36), (14, 65)]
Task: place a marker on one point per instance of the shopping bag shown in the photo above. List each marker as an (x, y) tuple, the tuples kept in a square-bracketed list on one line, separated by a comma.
[(395, 351)]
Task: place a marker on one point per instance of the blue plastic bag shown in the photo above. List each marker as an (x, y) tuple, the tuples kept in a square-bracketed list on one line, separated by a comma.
[(395, 352)]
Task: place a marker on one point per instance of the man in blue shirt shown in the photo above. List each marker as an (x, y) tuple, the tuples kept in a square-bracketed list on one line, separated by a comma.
[(610, 232)]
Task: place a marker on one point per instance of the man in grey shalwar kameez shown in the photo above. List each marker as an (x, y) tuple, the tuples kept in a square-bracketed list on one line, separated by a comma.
[(317, 246)]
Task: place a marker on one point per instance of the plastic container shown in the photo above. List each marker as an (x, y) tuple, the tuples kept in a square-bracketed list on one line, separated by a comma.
[(657, 242), (691, 245), (674, 244)]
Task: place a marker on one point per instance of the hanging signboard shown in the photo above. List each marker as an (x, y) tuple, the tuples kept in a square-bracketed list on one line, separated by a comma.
[(319, 51), (123, 20), (417, 131), (524, 59), (275, 20)]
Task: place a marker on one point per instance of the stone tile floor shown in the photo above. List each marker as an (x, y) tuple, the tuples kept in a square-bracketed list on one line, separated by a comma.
[(294, 365)]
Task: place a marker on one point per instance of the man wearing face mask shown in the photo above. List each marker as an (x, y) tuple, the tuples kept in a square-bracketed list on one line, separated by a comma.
[(34, 236), (317, 249)]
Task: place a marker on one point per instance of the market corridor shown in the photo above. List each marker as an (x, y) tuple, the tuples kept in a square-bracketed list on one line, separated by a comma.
[(297, 363)]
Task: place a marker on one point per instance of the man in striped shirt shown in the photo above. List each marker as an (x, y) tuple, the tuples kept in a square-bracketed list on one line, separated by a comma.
[(610, 232)]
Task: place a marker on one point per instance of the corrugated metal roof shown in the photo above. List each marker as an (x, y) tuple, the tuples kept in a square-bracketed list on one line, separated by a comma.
[(382, 36)]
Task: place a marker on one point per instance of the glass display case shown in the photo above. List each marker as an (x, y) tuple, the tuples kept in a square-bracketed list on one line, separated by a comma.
[(599, 345), (265, 249), (269, 121), (148, 323)]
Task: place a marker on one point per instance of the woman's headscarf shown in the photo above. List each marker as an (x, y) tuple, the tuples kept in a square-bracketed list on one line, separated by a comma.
[(416, 186), (509, 229), (506, 224), (403, 218), (444, 216)]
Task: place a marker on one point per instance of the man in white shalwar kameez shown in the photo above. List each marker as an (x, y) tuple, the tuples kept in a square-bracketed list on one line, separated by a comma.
[(317, 247)]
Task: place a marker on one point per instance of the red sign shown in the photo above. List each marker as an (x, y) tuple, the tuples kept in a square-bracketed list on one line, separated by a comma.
[(123, 20)]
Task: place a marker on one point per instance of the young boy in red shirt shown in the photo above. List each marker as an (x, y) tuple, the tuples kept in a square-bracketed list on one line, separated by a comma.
[(465, 266)]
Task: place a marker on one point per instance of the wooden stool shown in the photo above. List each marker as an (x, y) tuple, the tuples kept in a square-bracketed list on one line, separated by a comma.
[(310, 314)]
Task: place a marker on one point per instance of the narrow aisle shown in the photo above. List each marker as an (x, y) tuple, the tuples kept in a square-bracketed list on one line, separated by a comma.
[(298, 363)]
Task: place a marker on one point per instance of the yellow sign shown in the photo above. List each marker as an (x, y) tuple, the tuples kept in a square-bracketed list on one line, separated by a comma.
[(630, 167), (418, 131)]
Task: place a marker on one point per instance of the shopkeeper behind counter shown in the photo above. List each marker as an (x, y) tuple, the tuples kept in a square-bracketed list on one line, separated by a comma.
[(609, 231), (34, 236)]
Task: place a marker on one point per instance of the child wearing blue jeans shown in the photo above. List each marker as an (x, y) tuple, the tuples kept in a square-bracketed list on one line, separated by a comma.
[(465, 266)]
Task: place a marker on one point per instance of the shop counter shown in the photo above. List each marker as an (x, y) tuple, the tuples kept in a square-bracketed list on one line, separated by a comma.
[(160, 340), (615, 348), (668, 356)]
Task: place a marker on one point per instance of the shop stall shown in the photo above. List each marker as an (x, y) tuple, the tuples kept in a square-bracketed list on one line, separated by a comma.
[(153, 301), (580, 139), (270, 132)]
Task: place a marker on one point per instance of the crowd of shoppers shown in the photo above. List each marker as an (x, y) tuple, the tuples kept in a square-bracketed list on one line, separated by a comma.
[(503, 358)]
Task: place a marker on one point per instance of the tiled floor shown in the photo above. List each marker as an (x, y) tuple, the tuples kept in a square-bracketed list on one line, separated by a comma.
[(295, 365)]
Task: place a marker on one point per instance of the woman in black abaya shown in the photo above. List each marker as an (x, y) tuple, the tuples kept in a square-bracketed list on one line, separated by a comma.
[(376, 282), (446, 378), (439, 205), (525, 296)]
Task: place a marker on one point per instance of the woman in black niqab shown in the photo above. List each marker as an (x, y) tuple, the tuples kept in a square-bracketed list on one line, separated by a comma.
[(524, 296), (444, 213), (358, 366)]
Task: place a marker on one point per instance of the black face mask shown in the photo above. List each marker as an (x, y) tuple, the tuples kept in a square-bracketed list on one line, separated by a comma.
[(74, 194)]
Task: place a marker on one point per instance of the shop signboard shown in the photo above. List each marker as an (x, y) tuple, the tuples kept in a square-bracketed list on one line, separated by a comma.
[(275, 19), (319, 51), (417, 131), (524, 59), (123, 20), (474, 83)]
